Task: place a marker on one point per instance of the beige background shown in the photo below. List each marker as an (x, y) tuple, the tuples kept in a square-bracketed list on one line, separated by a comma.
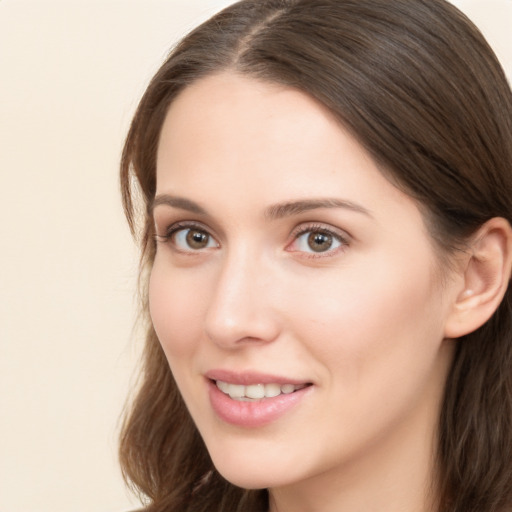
[(71, 73)]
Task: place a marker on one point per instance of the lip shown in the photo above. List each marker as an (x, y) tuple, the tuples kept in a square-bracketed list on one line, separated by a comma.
[(251, 377), (252, 414)]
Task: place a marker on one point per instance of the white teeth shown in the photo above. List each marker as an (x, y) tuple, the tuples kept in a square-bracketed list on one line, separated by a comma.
[(287, 388), (223, 386), (256, 391), (236, 390), (272, 390)]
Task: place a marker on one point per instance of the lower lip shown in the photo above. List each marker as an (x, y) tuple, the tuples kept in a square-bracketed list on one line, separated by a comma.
[(254, 413)]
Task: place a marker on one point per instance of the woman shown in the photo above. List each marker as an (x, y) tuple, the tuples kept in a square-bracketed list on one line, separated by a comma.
[(326, 253)]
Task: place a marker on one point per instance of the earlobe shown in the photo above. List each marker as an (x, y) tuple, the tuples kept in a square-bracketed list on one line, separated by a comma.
[(486, 278)]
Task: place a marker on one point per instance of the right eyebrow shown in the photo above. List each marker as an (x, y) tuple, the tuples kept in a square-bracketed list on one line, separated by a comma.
[(176, 202)]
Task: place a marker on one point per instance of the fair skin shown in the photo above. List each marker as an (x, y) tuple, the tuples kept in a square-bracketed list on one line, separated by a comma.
[(341, 295)]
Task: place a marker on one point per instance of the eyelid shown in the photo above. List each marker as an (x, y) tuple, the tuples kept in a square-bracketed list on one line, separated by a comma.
[(340, 235), (175, 227)]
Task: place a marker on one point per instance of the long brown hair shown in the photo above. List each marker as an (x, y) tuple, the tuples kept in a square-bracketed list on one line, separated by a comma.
[(419, 87)]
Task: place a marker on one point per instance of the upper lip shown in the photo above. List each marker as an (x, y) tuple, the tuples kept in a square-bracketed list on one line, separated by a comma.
[(250, 377)]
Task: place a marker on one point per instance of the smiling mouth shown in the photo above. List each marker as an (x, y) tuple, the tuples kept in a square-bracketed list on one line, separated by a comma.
[(254, 392)]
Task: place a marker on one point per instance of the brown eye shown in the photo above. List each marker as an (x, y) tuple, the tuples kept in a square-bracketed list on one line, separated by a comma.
[(197, 239), (193, 239), (319, 241)]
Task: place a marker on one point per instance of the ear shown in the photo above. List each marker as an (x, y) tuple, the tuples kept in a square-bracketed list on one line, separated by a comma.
[(486, 275)]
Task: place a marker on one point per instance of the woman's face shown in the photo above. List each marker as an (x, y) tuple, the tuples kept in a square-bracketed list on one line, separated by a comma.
[(295, 291)]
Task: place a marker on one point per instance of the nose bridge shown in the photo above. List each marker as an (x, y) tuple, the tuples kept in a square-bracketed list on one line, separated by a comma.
[(240, 309)]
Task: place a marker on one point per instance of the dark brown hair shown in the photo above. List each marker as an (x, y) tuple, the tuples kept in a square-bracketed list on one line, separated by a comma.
[(421, 90)]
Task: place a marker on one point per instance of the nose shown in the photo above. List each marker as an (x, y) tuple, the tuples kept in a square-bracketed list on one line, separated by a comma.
[(241, 310)]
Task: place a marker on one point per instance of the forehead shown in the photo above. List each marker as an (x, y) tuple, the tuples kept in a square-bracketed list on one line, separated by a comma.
[(235, 115), (238, 142), (227, 126)]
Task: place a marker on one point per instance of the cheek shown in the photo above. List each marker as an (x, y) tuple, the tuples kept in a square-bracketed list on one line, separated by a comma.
[(175, 309), (374, 339), (370, 315)]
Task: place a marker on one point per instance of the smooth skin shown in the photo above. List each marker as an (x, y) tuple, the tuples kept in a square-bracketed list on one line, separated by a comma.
[(345, 291)]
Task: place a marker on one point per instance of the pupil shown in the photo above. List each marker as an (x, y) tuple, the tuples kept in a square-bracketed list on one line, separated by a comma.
[(197, 239), (319, 242)]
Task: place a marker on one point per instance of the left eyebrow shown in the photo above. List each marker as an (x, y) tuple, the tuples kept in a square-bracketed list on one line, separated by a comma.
[(280, 210)]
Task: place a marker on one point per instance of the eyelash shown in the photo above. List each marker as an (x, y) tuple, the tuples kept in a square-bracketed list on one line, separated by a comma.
[(301, 230), (172, 230), (295, 235)]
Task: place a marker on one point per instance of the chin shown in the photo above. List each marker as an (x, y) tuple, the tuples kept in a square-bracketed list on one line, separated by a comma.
[(247, 481), (254, 470), (252, 478)]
